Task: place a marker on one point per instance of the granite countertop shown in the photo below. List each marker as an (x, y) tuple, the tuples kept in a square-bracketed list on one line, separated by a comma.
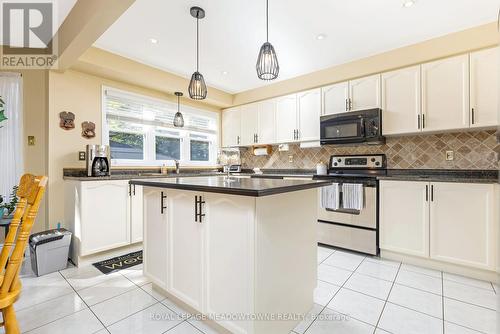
[(255, 187), (442, 175), (139, 176)]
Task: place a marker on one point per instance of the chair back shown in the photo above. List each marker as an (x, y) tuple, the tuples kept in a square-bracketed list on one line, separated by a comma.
[(30, 193)]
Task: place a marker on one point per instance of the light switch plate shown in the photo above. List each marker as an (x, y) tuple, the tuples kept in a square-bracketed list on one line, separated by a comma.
[(290, 158), (81, 155), (31, 140), (450, 155)]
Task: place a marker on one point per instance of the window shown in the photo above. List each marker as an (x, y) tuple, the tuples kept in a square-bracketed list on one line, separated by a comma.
[(140, 131)]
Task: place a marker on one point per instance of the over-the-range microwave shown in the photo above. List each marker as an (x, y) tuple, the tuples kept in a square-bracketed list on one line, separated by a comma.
[(353, 127)]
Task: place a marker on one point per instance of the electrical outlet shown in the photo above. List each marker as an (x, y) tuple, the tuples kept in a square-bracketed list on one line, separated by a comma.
[(450, 155), (31, 140), (290, 158), (81, 155)]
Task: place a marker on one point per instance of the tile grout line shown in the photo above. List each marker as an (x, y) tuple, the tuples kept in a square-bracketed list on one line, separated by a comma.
[(442, 297), (341, 287), (95, 315), (388, 295)]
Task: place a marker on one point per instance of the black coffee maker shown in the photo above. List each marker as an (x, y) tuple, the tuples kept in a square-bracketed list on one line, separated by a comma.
[(98, 160)]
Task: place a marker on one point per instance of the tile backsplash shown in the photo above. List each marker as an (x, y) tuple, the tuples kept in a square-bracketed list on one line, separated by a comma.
[(472, 150)]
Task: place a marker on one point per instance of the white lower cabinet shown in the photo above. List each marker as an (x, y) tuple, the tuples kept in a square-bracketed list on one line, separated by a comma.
[(463, 230), (136, 211), (450, 222), (155, 231)]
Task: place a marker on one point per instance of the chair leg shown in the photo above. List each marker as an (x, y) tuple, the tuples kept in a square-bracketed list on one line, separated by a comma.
[(10, 320)]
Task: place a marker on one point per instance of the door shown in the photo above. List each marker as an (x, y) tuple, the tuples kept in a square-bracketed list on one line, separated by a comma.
[(286, 119), (401, 101), (231, 120), (249, 124), (404, 217), (185, 245), (155, 232), (309, 111), (103, 228), (462, 224), (335, 98), (484, 87), (136, 213), (267, 122), (365, 93), (445, 94), (229, 237)]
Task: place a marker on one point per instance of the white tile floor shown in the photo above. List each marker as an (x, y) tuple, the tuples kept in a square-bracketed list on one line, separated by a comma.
[(355, 294)]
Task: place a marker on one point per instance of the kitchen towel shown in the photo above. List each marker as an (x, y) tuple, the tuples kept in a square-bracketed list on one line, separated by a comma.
[(352, 196), (330, 197)]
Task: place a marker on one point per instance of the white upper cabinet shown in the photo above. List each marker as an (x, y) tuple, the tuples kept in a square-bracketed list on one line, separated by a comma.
[(309, 111), (267, 122), (364, 93), (335, 98), (231, 130), (445, 94), (401, 102), (463, 227), (249, 124), (286, 119), (484, 87)]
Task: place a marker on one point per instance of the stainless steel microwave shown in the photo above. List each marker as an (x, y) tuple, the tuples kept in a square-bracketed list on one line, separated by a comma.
[(353, 127)]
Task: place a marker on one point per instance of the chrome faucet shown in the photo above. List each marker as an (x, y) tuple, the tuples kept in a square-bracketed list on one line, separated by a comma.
[(177, 171)]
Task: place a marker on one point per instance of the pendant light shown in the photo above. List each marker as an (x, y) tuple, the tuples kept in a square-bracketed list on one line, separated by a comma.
[(197, 87), (178, 118), (267, 62)]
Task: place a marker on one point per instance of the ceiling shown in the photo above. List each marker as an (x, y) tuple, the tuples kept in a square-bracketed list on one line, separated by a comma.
[(233, 31)]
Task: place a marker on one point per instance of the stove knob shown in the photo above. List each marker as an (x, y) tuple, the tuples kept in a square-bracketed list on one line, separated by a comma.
[(339, 160), (373, 159), (335, 164), (377, 163)]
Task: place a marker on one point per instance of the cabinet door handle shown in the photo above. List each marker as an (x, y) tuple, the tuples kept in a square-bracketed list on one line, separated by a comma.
[(473, 116), (426, 193), (298, 134), (238, 140), (418, 121), (196, 208), (256, 138), (423, 121), (346, 104), (432, 193), (294, 134), (134, 189), (163, 206), (350, 104), (130, 189)]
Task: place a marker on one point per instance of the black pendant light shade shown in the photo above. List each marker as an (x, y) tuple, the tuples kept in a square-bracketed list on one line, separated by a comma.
[(178, 118), (267, 62), (197, 87)]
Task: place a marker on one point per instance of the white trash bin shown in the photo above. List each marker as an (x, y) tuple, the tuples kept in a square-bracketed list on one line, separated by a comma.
[(49, 251)]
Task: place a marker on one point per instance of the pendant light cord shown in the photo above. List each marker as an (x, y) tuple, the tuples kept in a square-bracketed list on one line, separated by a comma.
[(267, 20), (178, 103), (197, 42)]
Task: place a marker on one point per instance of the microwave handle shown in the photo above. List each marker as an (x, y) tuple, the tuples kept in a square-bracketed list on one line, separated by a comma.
[(362, 126)]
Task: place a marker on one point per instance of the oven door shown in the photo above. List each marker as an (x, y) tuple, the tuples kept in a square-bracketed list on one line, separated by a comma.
[(342, 129)]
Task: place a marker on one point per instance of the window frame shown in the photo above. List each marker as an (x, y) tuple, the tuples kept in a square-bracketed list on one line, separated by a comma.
[(150, 136)]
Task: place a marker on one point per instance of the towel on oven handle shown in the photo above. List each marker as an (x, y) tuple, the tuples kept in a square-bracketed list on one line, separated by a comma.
[(352, 196), (330, 197)]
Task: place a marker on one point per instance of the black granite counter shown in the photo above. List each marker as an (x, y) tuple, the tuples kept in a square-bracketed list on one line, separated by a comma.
[(442, 175), (255, 187)]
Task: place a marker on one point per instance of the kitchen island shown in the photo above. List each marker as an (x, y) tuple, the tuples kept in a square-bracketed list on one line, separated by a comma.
[(240, 251)]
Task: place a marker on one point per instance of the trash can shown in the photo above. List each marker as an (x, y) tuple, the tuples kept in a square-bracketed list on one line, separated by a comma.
[(49, 251)]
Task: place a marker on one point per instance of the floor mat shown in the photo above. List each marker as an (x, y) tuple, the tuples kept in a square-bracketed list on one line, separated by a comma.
[(118, 263)]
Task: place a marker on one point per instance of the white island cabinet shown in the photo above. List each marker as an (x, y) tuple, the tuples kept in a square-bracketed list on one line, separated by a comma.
[(230, 255)]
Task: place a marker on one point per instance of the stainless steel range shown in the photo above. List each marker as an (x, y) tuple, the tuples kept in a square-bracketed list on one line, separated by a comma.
[(348, 210)]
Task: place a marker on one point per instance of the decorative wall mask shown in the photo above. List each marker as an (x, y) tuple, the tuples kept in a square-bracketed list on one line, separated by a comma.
[(88, 130), (67, 120)]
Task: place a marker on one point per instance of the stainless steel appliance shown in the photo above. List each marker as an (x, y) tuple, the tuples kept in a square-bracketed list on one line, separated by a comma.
[(353, 127), (230, 159), (346, 228), (98, 160)]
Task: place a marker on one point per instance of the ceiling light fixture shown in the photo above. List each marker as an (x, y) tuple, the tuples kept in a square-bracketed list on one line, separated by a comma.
[(153, 41), (267, 62), (178, 118), (408, 3), (224, 72), (197, 87), (320, 37)]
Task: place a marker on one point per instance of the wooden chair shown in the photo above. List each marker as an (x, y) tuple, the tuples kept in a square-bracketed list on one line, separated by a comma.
[(30, 193)]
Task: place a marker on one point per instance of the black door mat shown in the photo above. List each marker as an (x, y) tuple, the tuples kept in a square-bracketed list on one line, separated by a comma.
[(118, 263)]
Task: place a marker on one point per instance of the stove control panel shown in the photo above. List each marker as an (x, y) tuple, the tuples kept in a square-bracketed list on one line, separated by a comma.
[(358, 161)]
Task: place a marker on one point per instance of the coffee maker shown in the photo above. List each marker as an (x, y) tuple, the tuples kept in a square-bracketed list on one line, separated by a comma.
[(98, 160)]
